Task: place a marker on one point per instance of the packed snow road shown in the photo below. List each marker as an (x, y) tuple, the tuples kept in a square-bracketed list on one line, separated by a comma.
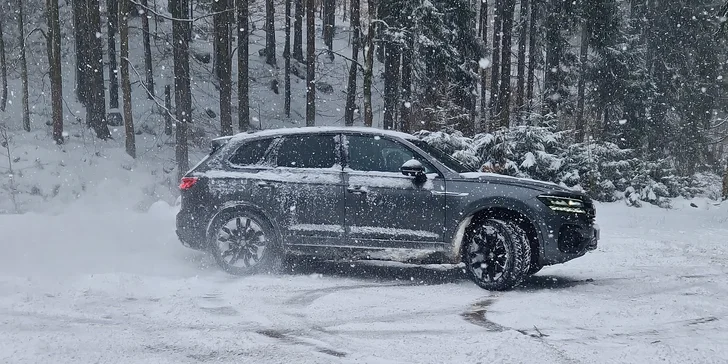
[(117, 287)]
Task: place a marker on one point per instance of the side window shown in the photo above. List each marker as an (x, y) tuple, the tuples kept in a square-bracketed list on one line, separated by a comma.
[(374, 153), (250, 153), (308, 151)]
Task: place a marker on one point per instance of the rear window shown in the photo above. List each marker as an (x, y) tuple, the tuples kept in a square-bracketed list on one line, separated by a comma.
[(251, 153)]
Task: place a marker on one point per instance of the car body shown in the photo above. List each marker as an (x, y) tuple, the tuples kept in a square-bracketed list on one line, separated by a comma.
[(367, 193)]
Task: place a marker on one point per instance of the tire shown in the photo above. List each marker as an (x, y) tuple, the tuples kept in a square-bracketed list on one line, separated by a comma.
[(244, 243), (501, 245)]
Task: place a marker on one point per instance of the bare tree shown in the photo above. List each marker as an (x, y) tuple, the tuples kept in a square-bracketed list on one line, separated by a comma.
[(310, 63), (80, 17), (182, 92), (483, 70), (351, 86), (112, 27), (504, 97), (54, 61), (391, 84), (521, 66), (405, 120), (4, 66), (270, 33), (298, 32), (287, 56), (96, 108), (243, 79), (532, 52), (329, 21), (369, 63), (125, 82), (222, 42), (584, 50), (495, 70), (23, 66), (147, 50)]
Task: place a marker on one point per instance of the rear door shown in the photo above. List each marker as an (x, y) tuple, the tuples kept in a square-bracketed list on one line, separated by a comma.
[(385, 208), (307, 182)]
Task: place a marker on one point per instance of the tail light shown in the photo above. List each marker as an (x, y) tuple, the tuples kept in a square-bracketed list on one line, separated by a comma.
[(187, 183)]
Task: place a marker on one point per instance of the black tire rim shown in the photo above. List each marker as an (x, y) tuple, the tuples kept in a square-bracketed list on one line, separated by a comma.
[(487, 255), (241, 242)]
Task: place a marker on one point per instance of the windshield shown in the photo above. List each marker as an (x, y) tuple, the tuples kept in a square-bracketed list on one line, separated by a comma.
[(443, 157)]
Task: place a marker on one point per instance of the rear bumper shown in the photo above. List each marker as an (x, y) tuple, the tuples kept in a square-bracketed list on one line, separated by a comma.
[(191, 230)]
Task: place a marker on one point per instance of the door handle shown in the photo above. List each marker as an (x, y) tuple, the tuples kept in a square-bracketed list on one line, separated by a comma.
[(357, 190), (265, 185)]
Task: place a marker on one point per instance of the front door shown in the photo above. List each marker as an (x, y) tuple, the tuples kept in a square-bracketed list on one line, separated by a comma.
[(308, 189), (385, 208)]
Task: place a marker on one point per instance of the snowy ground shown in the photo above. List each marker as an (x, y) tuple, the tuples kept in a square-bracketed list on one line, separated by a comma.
[(115, 286)]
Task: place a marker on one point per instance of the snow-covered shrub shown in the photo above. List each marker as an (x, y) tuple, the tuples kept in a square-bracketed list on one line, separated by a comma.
[(601, 169)]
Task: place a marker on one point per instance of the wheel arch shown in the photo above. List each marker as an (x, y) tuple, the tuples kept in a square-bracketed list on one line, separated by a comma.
[(502, 208)]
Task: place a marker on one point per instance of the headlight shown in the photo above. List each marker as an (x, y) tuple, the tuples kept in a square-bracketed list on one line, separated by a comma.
[(563, 204)]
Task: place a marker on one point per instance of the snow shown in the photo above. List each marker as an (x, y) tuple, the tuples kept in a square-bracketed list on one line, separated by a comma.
[(320, 129), (280, 174), (369, 230), (387, 180), (475, 175), (313, 227), (114, 285)]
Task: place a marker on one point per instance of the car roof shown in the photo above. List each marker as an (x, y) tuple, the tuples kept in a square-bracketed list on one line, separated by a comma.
[(319, 129)]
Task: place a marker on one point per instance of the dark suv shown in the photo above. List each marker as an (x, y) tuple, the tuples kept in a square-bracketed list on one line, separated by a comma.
[(363, 193)]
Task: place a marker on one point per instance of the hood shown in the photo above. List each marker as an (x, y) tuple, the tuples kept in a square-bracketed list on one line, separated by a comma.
[(514, 181)]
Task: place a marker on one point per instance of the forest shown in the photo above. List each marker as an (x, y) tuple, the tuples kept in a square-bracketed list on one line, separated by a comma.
[(625, 99)]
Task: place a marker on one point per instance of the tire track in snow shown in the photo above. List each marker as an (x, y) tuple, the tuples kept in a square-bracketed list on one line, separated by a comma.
[(477, 315)]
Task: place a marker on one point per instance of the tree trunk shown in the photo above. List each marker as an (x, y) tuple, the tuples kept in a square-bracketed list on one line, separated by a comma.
[(222, 42), (147, 50), (182, 94), (23, 66), (168, 128), (532, 53), (243, 94), (521, 78), (495, 71), (112, 26), (287, 57), (329, 23), (81, 29), (553, 57), (298, 32), (483, 70), (585, 33), (351, 86), (369, 64), (54, 62), (270, 33), (504, 97), (3, 67), (96, 109), (391, 85), (125, 82), (310, 63), (405, 121)]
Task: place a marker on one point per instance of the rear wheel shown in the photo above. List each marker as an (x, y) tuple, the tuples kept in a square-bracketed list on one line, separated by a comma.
[(497, 254), (244, 243)]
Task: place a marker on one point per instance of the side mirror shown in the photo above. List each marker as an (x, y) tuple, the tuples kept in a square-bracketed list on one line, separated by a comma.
[(413, 168)]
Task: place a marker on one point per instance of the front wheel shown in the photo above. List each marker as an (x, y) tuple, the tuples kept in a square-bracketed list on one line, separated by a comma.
[(244, 243), (497, 255)]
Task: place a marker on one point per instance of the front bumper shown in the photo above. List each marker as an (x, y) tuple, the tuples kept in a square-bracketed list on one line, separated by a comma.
[(569, 238)]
